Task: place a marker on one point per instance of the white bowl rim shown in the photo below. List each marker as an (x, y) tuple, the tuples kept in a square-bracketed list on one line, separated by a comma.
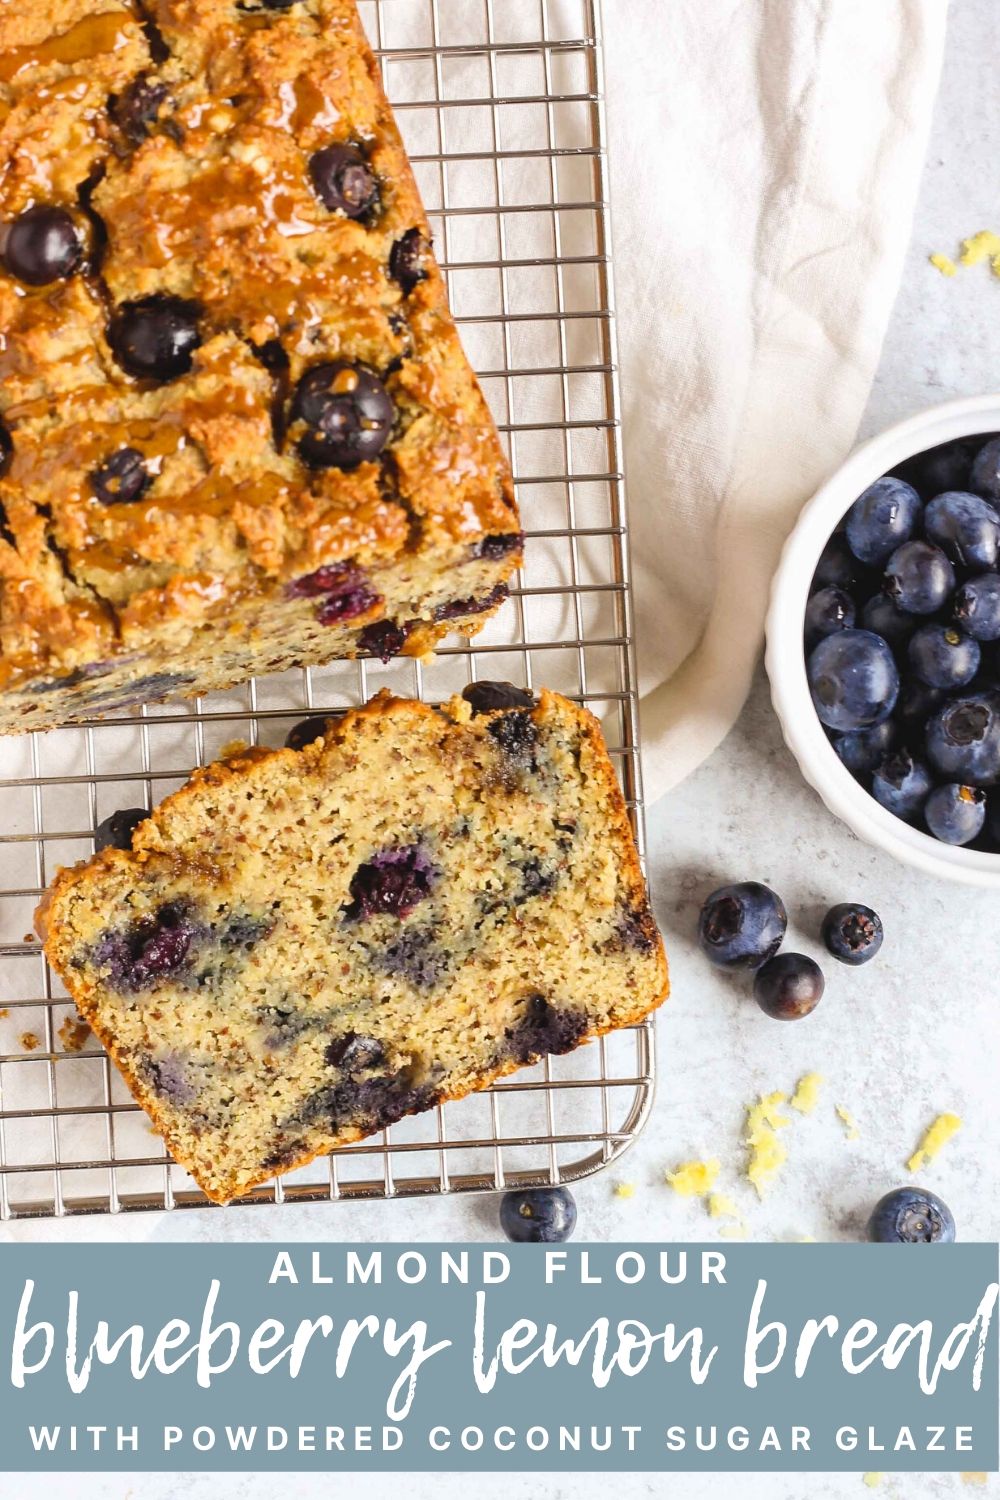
[(785, 658)]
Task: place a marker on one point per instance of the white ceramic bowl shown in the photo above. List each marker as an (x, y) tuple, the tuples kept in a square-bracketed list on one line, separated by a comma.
[(785, 658)]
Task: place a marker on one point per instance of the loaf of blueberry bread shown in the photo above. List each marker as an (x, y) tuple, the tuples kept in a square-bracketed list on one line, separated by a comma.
[(237, 427), (301, 946)]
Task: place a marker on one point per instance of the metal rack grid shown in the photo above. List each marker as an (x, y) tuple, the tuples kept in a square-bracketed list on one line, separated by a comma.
[(501, 105)]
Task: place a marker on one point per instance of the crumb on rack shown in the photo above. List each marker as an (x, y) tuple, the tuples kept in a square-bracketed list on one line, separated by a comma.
[(624, 1189), (29, 1041), (4, 1013), (943, 263), (850, 1124), (767, 1153), (806, 1096), (935, 1136), (233, 748), (693, 1179), (73, 1033)]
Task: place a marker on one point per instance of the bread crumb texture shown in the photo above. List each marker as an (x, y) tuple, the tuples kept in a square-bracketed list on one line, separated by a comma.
[(936, 1136), (304, 946)]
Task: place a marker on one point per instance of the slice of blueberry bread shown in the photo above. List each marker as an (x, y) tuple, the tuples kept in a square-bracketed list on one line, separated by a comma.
[(301, 946), (237, 427)]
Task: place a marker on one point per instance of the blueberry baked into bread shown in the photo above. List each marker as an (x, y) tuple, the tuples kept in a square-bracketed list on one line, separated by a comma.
[(302, 946), (237, 428)]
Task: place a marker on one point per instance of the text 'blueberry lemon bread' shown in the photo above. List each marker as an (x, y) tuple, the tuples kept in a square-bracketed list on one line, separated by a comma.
[(302, 946), (237, 427)]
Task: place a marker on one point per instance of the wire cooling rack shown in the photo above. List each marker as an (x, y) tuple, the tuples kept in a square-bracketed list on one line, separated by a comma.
[(501, 105)]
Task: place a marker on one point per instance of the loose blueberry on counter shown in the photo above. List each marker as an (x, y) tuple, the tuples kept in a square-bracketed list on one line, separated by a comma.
[(911, 1216), (966, 527), (956, 814), (883, 616), (839, 568), (852, 933), (42, 245), (742, 926), (828, 610), (977, 607), (348, 415), (963, 739), (490, 697), (121, 479), (789, 986), (306, 732), (919, 577), (902, 785), (538, 1216), (882, 519), (156, 337), (984, 477), (407, 261), (853, 679), (944, 656), (116, 832), (862, 750), (343, 180)]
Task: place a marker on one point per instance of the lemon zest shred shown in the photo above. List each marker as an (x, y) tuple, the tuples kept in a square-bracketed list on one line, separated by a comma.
[(694, 1179), (624, 1189), (979, 247), (806, 1096), (936, 1136), (945, 264), (850, 1124), (767, 1153)]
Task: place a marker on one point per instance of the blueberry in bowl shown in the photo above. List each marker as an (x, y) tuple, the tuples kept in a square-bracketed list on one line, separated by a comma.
[(884, 641)]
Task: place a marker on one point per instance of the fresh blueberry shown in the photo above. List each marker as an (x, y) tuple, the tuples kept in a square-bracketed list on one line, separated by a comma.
[(538, 1216), (919, 577), (156, 337), (789, 986), (491, 697), (853, 679), (965, 527), (742, 926), (963, 739), (882, 519), (347, 415), (408, 261), (306, 732), (883, 616), (955, 814), (343, 180), (136, 109), (828, 610), (984, 478), (392, 883), (852, 933), (914, 707), (944, 656), (862, 750), (122, 478), (911, 1216), (42, 245), (977, 607), (838, 568), (116, 832), (902, 785), (945, 467)]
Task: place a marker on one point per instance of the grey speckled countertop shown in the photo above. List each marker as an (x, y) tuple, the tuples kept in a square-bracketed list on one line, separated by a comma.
[(916, 1033)]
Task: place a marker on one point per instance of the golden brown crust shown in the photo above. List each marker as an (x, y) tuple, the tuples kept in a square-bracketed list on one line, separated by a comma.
[(207, 195), (157, 854)]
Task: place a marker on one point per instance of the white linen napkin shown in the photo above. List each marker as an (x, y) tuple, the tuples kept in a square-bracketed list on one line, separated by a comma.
[(765, 159)]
